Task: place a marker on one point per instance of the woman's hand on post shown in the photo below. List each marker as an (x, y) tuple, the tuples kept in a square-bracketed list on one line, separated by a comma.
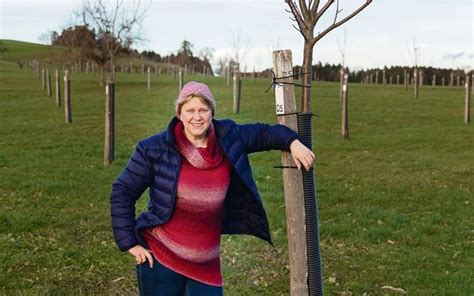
[(302, 156), (141, 255)]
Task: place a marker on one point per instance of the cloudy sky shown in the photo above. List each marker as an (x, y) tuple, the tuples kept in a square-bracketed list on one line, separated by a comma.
[(385, 33)]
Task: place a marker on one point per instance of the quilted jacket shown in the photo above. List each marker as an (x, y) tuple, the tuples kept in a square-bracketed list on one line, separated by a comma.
[(156, 162)]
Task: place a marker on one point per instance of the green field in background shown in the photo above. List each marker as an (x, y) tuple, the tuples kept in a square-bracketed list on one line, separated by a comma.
[(394, 201)]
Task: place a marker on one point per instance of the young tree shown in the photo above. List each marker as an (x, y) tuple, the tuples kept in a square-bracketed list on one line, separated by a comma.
[(115, 25), (306, 15)]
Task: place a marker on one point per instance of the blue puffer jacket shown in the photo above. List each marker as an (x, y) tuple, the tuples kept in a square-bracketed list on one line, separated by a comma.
[(156, 162)]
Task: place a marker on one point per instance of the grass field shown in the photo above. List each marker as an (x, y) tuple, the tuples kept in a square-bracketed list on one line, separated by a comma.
[(395, 202)]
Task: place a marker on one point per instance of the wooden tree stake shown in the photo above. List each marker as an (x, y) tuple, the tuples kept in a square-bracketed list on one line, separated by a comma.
[(67, 98), (292, 179), (109, 143), (345, 116), (467, 99), (58, 88)]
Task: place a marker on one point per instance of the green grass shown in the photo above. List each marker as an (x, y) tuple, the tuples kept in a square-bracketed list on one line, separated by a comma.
[(395, 202)]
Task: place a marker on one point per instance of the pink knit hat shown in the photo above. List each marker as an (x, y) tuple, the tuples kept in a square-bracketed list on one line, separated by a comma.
[(194, 88)]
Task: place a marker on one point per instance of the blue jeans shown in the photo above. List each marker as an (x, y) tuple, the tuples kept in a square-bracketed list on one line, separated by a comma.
[(161, 281)]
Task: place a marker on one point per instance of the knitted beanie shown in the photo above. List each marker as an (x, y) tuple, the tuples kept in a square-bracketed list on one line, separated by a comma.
[(197, 89)]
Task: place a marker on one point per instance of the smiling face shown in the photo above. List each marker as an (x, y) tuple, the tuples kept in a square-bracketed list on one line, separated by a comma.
[(196, 116)]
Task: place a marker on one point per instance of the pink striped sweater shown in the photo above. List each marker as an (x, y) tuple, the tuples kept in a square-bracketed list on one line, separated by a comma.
[(189, 243)]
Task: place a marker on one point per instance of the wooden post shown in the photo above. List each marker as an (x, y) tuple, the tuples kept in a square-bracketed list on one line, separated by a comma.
[(390, 79), (433, 83), (228, 75), (415, 82), (443, 81), (109, 143), (406, 78), (341, 83), (67, 98), (58, 88), (156, 70), (451, 80), (377, 76), (43, 79), (237, 90), (292, 179), (180, 79), (48, 83), (467, 99), (458, 82), (421, 78), (384, 80), (148, 79), (345, 116)]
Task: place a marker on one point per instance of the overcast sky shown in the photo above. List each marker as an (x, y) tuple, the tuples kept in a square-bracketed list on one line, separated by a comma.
[(385, 33)]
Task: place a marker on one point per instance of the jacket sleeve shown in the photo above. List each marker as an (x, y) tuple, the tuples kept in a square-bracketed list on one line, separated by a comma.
[(263, 137), (127, 188)]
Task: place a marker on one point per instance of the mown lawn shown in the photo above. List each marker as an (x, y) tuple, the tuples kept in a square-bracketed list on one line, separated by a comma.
[(395, 201)]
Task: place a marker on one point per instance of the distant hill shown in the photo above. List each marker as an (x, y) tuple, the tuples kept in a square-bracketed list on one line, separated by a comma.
[(13, 50)]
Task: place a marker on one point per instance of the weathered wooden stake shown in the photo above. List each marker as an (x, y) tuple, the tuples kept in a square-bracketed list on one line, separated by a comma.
[(415, 82), (451, 80), (405, 78), (341, 83), (48, 83), (237, 90), (384, 79), (467, 99), (227, 74), (67, 98), (43, 79), (345, 116), (292, 179), (433, 83), (443, 81), (58, 88), (180, 79), (148, 79), (109, 143)]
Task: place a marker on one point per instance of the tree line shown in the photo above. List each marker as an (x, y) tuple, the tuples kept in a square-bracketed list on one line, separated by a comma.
[(331, 72)]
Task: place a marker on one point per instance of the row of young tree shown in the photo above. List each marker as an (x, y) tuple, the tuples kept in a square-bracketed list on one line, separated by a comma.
[(331, 72)]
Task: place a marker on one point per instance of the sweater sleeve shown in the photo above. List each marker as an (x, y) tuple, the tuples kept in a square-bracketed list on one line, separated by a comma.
[(127, 188), (264, 137)]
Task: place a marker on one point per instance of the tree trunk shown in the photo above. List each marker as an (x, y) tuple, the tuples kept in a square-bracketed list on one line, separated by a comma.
[(306, 78)]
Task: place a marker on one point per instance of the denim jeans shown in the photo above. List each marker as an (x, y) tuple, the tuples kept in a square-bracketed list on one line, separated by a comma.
[(161, 281)]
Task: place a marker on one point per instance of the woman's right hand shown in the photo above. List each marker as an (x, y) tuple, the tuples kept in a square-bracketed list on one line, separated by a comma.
[(141, 255)]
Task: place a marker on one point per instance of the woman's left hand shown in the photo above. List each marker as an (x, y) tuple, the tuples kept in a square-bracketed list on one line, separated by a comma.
[(302, 156)]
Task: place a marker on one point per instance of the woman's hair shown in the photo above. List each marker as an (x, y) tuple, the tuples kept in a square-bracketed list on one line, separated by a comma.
[(195, 89)]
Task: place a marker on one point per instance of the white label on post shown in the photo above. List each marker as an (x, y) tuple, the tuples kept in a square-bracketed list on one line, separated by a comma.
[(344, 87), (279, 99)]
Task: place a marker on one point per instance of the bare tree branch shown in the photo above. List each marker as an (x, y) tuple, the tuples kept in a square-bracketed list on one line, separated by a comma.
[(314, 9), (335, 25), (323, 10), (304, 10), (299, 20)]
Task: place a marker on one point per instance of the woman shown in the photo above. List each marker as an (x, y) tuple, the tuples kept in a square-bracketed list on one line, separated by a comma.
[(200, 185)]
